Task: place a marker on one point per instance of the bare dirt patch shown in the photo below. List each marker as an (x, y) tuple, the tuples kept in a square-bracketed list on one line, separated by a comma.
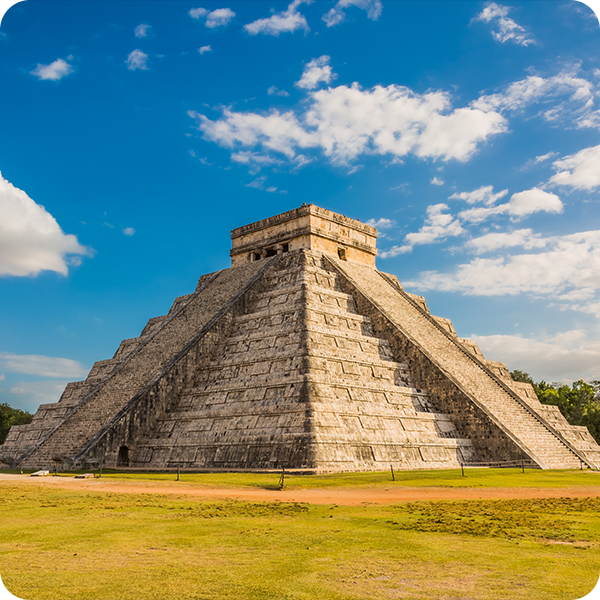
[(342, 496)]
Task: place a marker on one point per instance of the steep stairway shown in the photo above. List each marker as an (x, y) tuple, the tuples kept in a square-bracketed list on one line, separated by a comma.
[(505, 408)]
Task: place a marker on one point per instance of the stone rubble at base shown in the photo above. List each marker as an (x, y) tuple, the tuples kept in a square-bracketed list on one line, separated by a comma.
[(302, 355)]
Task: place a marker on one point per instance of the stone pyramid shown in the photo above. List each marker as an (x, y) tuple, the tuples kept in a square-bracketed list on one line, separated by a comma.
[(302, 355)]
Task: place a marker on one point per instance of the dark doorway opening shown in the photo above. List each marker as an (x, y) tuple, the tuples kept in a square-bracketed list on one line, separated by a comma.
[(123, 458)]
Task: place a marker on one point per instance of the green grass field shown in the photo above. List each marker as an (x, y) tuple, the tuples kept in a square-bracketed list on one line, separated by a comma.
[(66, 544)]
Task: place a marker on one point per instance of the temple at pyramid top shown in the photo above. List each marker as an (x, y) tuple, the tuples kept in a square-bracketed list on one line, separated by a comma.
[(301, 355), (308, 228)]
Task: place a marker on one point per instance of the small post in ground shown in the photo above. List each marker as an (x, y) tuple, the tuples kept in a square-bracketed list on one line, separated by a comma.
[(462, 468), (177, 472), (282, 478), (392, 468), (523, 465)]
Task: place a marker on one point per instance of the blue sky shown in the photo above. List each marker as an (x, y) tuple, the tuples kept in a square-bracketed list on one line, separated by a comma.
[(136, 135)]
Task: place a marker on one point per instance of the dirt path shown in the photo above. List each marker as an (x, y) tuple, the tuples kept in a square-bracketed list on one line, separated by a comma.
[(342, 496)]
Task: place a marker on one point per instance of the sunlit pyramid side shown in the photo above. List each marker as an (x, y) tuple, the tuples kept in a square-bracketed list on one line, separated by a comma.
[(301, 355)]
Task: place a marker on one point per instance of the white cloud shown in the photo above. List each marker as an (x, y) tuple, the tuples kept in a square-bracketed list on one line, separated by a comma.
[(484, 194), (54, 71), (532, 201), (524, 238), (44, 366), (438, 226), (141, 31), (204, 49), (129, 231), (30, 238), (219, 18), (39, 392), (2, 377), (259, 184), (137, 60), (287, 21), (196, 13), (545, 157), (520, 205), (276, 131), (580, 171), (568, 263), (395, 251), (254, 160), (572, 97), (436, 181), (337, 15), (345, 122), (275, 91), (315, 72), (381, 223), (507, 30), (568, 355)]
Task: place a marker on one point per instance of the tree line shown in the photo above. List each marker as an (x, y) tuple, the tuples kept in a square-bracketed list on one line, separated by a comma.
[(579, 403), (10, 416)]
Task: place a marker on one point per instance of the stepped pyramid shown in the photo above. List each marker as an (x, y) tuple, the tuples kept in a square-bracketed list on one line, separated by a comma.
[(301, 355)]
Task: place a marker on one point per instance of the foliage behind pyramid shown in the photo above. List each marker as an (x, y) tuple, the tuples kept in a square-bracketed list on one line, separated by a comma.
[(301, 355)]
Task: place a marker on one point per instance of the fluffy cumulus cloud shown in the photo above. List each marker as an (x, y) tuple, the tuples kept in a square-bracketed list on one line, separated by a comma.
[(31, 240), (219, 18), (288, 21), (54, 71), (520, 205), (523, 238), (566, 269), (565, 356), (136, 61), (216, 18), (204, 49), (44, 366), (141, 31), (197, 13), (315, 72), (128, 231), (580, 171), (484, 195), (504, 28), (439, 225), (346, 122), (338, 13)]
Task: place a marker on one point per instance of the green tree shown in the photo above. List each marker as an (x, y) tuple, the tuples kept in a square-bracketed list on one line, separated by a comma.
[(10, 416), (521, 376)]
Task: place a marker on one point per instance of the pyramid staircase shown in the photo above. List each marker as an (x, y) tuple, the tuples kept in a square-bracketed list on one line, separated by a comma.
[(303, 381)]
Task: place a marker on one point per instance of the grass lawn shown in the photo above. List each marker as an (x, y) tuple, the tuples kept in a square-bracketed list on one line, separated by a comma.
[(67, 544)]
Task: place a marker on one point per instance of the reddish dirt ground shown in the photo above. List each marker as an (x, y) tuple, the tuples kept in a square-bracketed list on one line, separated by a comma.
[(342, 496)]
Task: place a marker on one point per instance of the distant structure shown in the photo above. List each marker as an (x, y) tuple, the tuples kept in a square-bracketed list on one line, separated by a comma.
[(302, 355)]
